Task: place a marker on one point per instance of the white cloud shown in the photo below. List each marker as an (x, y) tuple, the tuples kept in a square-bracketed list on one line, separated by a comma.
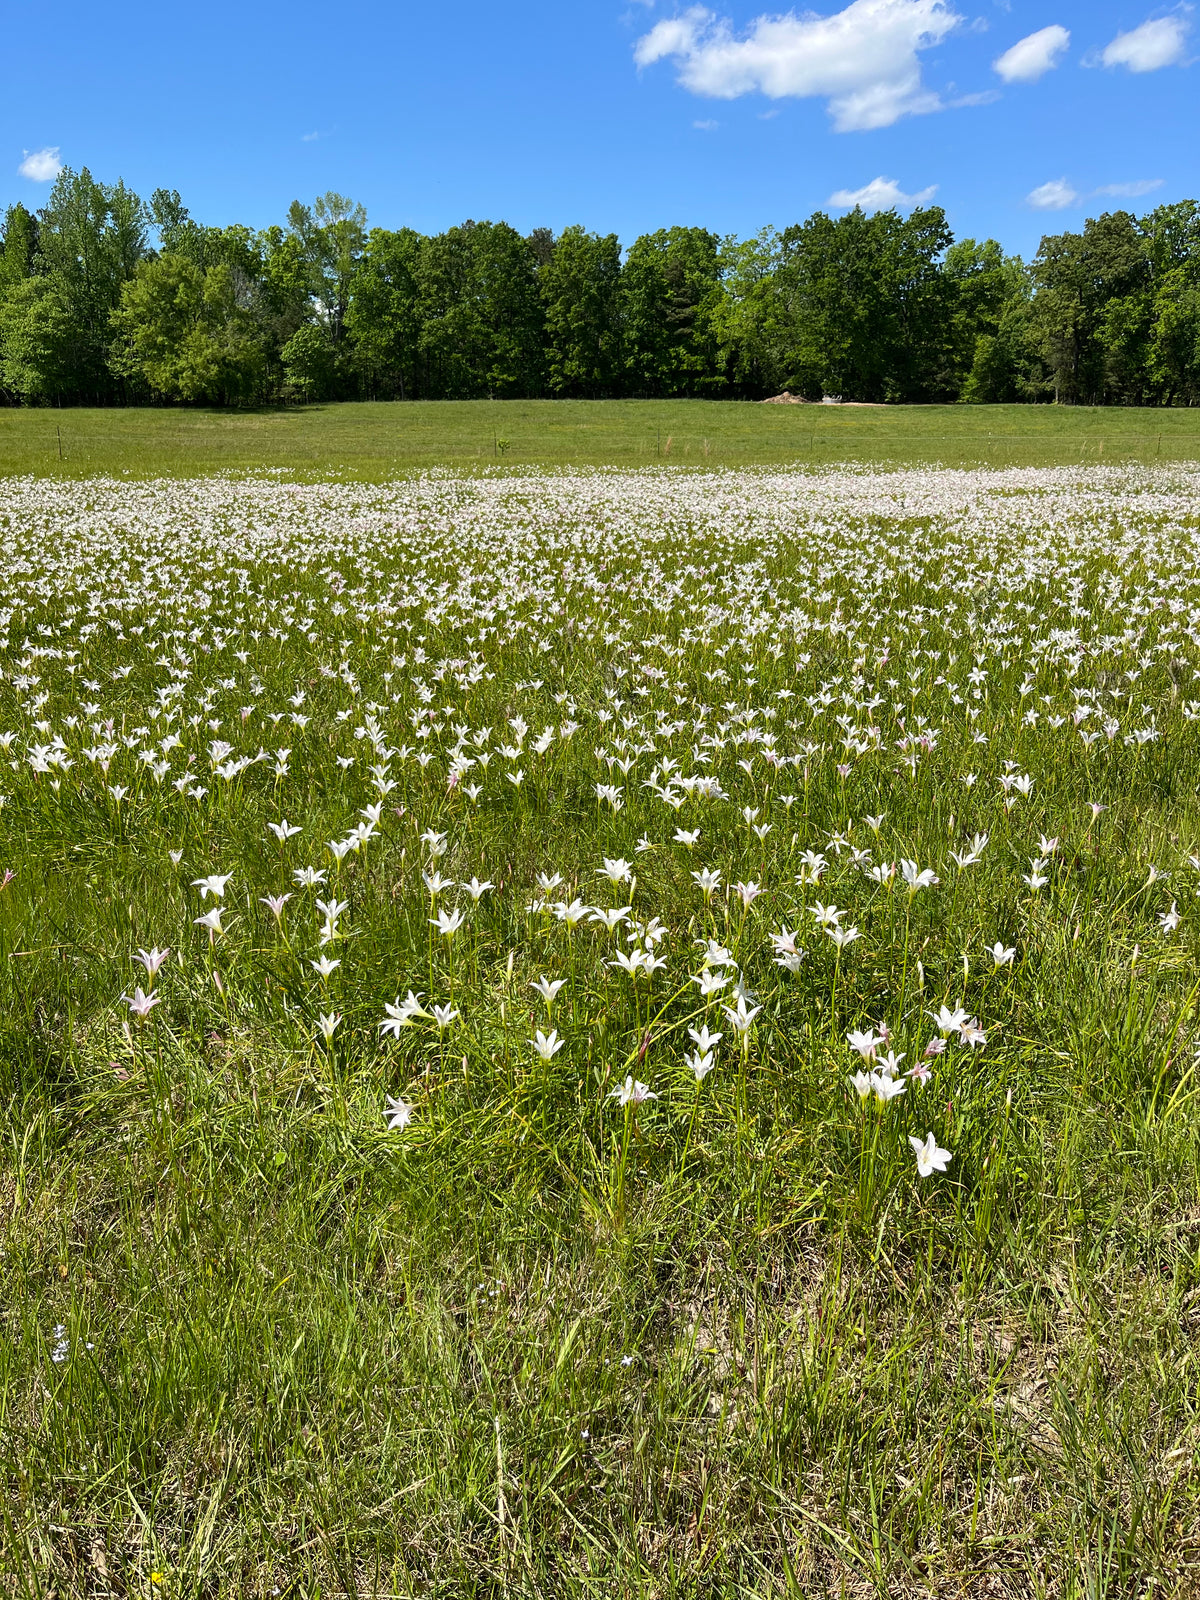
[(674, 36), (1056, 195), (43, 166), (881, 194), (707, 125), (1157, 43), (862, 60), (1030, 58), (1131, 191)]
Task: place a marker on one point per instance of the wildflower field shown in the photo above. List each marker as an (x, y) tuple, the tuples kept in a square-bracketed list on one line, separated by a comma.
[(601, 1033)]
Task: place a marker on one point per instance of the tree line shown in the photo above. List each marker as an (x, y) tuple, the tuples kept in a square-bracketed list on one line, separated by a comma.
[(107, 300)]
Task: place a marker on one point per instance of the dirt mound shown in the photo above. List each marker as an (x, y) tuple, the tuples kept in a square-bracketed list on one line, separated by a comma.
[(787, 398)]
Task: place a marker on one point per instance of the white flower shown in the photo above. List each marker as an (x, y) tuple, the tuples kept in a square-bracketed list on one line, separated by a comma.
[(141, 1004), (548, 988), (401, 1014), (700, 1064), (1002, 954), (930, 1156), (703, 1039), (917, 879), (631, 1092), (716, 955), (153, 959), (328, 1024), (710, 983), (708, 881), (886, 1087), (611, 919), (444, 1016), (214, 885), (948, 1020), (864, 1043), (741, 1016), (630, 963), (971, 1033), (448, 923), (398, 1113), (571, 914), (547, 1045)]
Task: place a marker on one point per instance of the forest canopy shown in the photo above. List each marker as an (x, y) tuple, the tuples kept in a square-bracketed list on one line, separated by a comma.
[(106, 299)]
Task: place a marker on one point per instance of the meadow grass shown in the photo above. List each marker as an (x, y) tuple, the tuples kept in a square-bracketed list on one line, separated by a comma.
[(376, 442), (311, 1290)]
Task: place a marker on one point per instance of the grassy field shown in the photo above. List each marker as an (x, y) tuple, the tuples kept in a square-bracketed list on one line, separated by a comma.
[(375, 442), (600, 1034)]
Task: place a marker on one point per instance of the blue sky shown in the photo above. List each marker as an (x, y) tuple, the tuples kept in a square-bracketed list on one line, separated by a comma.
[(1019, 116)]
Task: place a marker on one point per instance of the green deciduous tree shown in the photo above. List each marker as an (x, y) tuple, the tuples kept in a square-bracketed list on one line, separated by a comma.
[(329, 237), (19, 254), (748, 316), (91, 238), (580, 283), (481, 314), (1086, 341), (384, 319), (188, 332), (38, 341), (670, 296), (866, 307)]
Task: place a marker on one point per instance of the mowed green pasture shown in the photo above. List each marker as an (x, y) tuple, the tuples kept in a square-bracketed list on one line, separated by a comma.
[(377, 441)]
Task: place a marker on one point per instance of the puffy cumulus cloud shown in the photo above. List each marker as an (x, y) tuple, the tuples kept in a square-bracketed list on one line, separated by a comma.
[(862, 60), (43, 166), (1159, 42), (1056, 195), (1032, 57), (1131, 191), (881, 194)]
